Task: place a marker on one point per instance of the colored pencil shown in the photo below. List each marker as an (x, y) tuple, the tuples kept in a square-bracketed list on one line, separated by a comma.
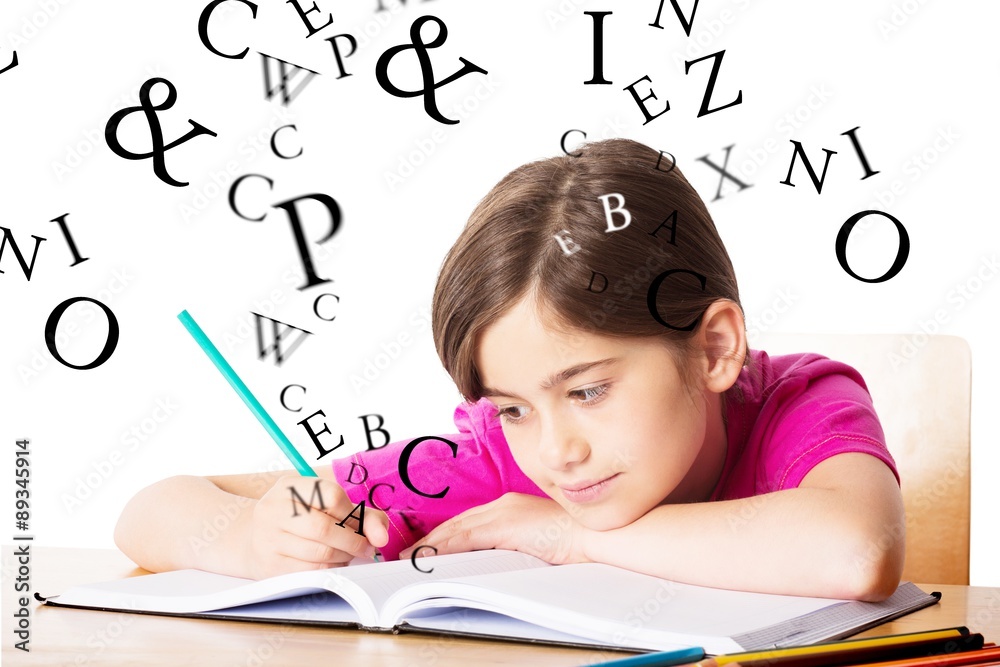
[(244, 392)]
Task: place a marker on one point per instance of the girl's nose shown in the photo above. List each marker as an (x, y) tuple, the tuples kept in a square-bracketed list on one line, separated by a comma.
[(562, 445)]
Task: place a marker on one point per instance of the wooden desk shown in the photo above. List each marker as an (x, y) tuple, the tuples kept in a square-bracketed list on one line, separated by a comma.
[(79, 637)]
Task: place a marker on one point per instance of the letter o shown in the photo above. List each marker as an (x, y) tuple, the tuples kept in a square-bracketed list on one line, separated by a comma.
[(902, 253), (97, 480), (109, 345), (380, 356)]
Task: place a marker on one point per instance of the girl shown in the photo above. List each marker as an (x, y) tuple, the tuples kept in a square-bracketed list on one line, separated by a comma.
[(590, 316)]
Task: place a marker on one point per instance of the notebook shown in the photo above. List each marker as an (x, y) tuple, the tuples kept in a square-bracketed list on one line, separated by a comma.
[(504, 595)]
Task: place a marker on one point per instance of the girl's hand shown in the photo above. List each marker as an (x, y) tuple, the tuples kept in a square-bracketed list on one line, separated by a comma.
[(286, 536), (529, 524)]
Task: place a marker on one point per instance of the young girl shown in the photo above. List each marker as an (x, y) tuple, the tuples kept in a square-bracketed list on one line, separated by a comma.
[(589, 314)]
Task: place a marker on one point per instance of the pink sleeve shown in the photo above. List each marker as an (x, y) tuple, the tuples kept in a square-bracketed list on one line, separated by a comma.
[(471, 468), (820, 413)]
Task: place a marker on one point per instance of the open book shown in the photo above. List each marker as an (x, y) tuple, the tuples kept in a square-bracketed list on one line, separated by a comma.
[(508, 595)]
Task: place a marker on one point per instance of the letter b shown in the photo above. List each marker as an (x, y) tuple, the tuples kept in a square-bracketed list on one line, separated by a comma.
[(619, 208)]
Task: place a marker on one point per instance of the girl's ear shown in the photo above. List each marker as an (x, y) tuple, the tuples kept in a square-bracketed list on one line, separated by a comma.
[(721, 338)]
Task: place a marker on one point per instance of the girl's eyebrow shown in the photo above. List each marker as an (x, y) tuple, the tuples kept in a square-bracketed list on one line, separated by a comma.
[(557, 378)]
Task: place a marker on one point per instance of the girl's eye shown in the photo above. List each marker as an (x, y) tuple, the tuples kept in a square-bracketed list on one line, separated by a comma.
[(514, 414), (590, 394)]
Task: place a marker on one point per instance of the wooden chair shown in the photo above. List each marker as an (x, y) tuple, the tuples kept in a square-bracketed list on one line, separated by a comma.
[(921, 388)]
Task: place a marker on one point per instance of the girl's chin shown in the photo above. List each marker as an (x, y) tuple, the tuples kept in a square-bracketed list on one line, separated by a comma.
[(602, 518)]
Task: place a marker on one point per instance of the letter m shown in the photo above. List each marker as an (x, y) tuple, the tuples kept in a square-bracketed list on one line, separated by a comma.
[(308, 505)]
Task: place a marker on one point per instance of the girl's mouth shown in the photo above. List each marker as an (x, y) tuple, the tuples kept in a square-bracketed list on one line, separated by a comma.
[(588, 491)]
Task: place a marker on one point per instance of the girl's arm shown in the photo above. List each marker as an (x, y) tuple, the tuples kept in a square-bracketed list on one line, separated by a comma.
[(839, 534), (243, 525)]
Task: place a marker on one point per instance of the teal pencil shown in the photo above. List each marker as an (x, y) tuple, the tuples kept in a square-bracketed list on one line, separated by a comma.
[(244, 392)]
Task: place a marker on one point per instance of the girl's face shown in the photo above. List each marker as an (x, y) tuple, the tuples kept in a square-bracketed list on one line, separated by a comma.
[(605, 426)]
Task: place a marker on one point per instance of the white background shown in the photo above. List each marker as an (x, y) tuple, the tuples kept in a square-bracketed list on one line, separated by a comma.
[(918, 78)]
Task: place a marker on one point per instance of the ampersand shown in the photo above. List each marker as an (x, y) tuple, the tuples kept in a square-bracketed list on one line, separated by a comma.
[(155, 134), (426, 70)]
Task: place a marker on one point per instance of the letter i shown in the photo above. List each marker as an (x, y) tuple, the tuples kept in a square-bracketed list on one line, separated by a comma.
[(69, 239)]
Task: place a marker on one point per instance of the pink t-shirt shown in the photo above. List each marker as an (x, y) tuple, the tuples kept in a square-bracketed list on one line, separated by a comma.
[(784, 415)]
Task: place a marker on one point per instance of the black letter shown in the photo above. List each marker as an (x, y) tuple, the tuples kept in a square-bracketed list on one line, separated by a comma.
[(723, 172), (404, 463), (25, 267), (685, 22), (817, 183), (413, 557), (594, 274), (109, 345), (704, 111), (289, 207), (672, 228), (673, 162), (281, 397), (654, 288), (360, 517), (336, 52), (314, 436), (642, 107), (203, 27), (69, 239), (562, 142), (901, 254), (315, 494), (861, 153), (302, 15), (236, 184), (598, 77), (369, 431)]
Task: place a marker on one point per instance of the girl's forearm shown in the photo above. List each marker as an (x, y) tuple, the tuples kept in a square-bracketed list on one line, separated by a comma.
[(772, 543), (186, 522)]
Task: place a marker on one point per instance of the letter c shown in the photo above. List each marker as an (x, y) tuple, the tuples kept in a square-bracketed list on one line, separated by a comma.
[(206, 14), (562, 142), (413, 557), (404, 463), (232, 195), (371, 496), (274, 147), (281, 397), (654, 288)]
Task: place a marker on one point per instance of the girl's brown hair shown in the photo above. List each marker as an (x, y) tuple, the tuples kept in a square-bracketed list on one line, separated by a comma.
[(509, 250)]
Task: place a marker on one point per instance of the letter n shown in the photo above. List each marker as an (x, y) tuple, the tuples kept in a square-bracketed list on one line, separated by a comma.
[(797, 152), (25, 267)]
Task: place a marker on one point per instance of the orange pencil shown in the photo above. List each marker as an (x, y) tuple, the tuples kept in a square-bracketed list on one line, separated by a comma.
[(983, 657)]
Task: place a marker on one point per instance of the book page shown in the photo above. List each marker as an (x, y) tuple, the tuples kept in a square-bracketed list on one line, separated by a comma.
[(615, 606), (194, 591), (381, 580)]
